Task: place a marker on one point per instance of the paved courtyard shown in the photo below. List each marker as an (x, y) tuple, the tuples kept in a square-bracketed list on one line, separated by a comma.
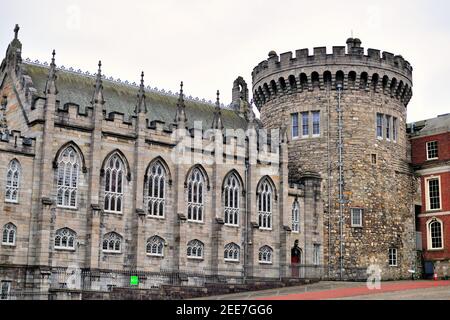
[(327, 290)]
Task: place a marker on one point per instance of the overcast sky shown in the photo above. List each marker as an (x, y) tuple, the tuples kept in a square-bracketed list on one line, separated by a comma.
[(208, 43)]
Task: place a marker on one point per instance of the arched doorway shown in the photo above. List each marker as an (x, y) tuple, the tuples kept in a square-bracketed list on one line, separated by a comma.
[(296, 260)]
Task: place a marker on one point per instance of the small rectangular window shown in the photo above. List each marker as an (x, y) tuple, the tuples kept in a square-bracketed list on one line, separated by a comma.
[(316, 123), (434, 194), (305, 124), (316, 254), (294, 117), (5, 290), (374, 158), (356, 216), (393, 257), (379, 125), (432, 150), (388, 127)]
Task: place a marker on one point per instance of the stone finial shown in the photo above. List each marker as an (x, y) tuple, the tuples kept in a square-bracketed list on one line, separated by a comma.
[(50, 86), (98, 93), (16, 32), (180, 116), (141, 105), (217, 120)]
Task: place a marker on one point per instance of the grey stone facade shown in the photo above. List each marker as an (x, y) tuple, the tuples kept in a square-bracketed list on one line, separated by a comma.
[(48, 109)]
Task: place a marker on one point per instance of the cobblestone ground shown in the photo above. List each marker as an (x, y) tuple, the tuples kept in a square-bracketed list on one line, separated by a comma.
[(399, 290)]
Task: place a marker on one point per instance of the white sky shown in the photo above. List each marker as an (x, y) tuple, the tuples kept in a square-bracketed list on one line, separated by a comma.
[(209, 43)]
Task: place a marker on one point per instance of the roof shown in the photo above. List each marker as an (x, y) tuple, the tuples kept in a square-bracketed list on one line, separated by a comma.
[(440, 124), (77, 88)]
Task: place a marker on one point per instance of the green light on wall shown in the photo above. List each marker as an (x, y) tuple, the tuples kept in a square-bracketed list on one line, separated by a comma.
[(134, 281)]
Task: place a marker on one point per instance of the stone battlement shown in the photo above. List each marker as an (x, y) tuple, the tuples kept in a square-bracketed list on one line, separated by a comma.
[(13, 141), (353, 56), (378, 72)]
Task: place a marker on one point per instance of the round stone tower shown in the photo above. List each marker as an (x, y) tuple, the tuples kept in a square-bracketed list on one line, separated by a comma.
[(346, 114)]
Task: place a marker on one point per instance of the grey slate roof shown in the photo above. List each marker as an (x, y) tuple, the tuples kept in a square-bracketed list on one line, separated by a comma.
[(440, 124), (75, 88)]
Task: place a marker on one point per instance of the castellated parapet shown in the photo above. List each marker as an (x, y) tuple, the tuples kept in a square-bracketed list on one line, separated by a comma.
[(377, 71), (307, 94)]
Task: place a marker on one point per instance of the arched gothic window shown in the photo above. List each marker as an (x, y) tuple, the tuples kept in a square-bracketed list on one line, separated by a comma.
[(196, 186), (9, 235), (232, 252), (112, 243), (296, 217), (68, 171), (155, 246), (231, 200), (155, 192), (13, 182), (265, 255), (195, 249), (435, 234), (265, 196), (114, 174), (65, 239)]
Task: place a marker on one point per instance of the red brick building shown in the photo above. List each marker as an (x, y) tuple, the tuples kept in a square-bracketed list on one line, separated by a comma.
[(430, 150)]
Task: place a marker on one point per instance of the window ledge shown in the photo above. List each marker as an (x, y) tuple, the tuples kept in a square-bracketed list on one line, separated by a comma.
[(264, 262), (9, 245), (151, 255), (196, 258), (67, 208), (196, 222), (112, 252), (235, 226), (432, 159), (65, 249), (156, 217), (232, 261), (436, 249), (11, 202), (265, 229)]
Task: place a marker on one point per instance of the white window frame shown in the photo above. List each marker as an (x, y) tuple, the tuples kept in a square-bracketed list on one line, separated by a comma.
[(151, 243), (63, 176), (296, 217), (265, 251), (14, 185), (295, 115), (114, 237), (316, 254), (195, 244), (114, 194), (388, 127), (194, 204), (7, 284), (379, 116), (304, 136), (429, 235), (394, 129), (152, 192), (266, 197), (352, 215), (230, 250), (231, 198), (428, 148), (315, 135), (8, 228), (65, 232), (427, 193), (393, 257)]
